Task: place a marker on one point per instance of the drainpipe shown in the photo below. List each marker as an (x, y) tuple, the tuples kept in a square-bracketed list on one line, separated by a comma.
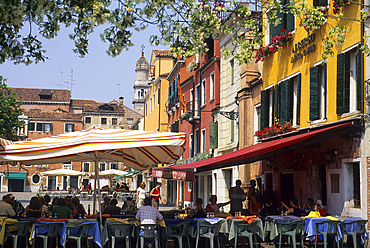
[(200, 112), (362, 60)]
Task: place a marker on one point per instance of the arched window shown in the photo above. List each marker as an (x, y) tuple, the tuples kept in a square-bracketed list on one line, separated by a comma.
[(35, 178)]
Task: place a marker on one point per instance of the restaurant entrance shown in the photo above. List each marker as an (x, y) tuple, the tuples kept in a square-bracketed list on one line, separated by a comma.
[(287, 187)]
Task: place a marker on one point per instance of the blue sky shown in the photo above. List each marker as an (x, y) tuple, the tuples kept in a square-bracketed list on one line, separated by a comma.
[(95, 76)]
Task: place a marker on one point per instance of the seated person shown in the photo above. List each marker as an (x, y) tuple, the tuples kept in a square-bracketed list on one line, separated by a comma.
[(5, 207), (268, 209), (310, 206), (68, 202), (105, 203), (34, 209), (294, 209), (79, 208), (320, 207), (112, 208), (148, 214), (198, 212), (214, 206), (254, 206), (61, 211)]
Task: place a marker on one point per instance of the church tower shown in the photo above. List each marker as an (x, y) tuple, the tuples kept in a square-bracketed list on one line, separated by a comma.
[(141, 86)]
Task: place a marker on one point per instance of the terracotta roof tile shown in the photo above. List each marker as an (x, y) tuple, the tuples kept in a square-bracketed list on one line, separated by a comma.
[(47, 95), (162, 52)]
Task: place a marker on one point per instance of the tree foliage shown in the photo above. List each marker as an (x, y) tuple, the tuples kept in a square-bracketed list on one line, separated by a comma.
[(9, 112)]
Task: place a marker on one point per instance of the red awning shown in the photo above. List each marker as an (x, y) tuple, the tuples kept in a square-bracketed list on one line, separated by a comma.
[(174, 174), (261, 151)]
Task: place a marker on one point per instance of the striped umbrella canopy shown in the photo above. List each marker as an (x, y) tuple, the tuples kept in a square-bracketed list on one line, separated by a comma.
[(136, 149)]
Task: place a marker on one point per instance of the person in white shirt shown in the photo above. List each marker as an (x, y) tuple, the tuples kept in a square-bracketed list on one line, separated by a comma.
[(140, 195), (5, 208), (148, 214)]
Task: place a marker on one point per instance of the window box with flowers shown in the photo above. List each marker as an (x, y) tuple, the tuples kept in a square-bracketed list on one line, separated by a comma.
[(276, 43), (337, 5), (274, 130)]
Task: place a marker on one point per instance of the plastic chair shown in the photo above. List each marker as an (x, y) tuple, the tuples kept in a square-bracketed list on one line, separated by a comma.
[(151, 232), (211, 234), (247, 230), (119, 231), (331, 231), (52, 233), (360, 227), (83, 234), (291, 229), (22, 232), (178, 232)]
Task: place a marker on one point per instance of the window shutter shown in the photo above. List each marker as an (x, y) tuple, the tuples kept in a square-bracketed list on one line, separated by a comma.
[(289, 98), (314, 94), (276, 31), (283, 101), (358, 79), (264, 109), (340, 83), (299, 99), (347, 75), (213, 135), (65, 128), (276, 103), (290, 18), (273, 106), (43, 127), (73, 127), (51, 127)]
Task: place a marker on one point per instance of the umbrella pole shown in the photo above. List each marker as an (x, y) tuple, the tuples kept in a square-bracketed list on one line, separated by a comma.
[(97, 182)]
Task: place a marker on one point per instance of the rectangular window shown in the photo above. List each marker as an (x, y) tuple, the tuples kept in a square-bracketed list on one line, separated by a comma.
[(67, 166), (39, 127), (102, 167), (151, 107), (196, 142), (318, 79), (130, 121), (257, 120), (158, 96), (86, 167), (287, 20), (103, 121), (232, 72), (203, 140), (320, 3), (196, 102), (87, 120), (190, 145), (31, 126), (114, 121), (203, 92), (268, 106), (212, 86), (48, 127), (153, 101), (349, 94), (69, 128), (114, 166)]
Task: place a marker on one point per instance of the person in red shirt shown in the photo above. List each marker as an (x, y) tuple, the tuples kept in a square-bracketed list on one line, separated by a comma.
[(155, 193), (320, 207)]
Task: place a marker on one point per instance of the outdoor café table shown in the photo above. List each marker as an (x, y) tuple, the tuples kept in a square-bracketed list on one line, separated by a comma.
[(201, 221), (353, 227), (272, 221), (110, 221), (43, 230), (229, 227), (123, 216), (94, 230), (310, 226)]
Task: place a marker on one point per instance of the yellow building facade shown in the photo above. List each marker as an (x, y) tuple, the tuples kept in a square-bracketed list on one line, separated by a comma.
[(155, 115)]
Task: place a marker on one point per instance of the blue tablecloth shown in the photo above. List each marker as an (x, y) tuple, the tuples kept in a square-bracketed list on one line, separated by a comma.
[(310, 227), (62, 231)]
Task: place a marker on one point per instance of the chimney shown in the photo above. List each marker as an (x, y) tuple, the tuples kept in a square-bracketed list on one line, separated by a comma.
[(121, 100)]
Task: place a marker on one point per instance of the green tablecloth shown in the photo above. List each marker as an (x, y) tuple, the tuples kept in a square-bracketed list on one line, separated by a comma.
[(229, 227)]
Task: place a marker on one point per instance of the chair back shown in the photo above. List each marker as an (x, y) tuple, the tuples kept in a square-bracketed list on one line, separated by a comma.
[(53, 231), (246, 227), (119, 230), (210, 228), (83, 230), (359, 226), (185, 228), (290, 226), (149, 230), (23, 228), (332, 227)]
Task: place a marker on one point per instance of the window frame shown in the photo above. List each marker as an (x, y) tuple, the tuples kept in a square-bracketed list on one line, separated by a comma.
[(66, 125), (212, 86), (204, 93), (88, 118)]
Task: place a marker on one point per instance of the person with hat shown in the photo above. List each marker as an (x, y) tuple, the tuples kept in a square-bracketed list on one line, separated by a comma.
[(16, 205), (5, 207), (320, 207)]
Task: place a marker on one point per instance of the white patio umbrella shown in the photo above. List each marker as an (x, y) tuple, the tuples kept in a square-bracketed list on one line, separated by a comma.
[(112, 173), (136, 149), (62, 172)]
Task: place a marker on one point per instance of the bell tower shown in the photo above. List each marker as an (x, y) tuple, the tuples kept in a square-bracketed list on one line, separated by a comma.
[(141, 82)]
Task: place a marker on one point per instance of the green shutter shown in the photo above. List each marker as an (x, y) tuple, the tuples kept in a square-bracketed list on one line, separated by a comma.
[(213, 135), (276, 103), (73, 127), (299, 99), (65, 127), (347, 76), (276, 31), (340, 83), (51, 127), (283, 88), (264, 109), (320, 2), (290, 18), (358, 79), (314, 94), (272, 116), (289, 98)]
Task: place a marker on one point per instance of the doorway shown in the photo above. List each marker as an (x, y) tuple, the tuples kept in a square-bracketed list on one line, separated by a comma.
[(15, 185), (287, 187)]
